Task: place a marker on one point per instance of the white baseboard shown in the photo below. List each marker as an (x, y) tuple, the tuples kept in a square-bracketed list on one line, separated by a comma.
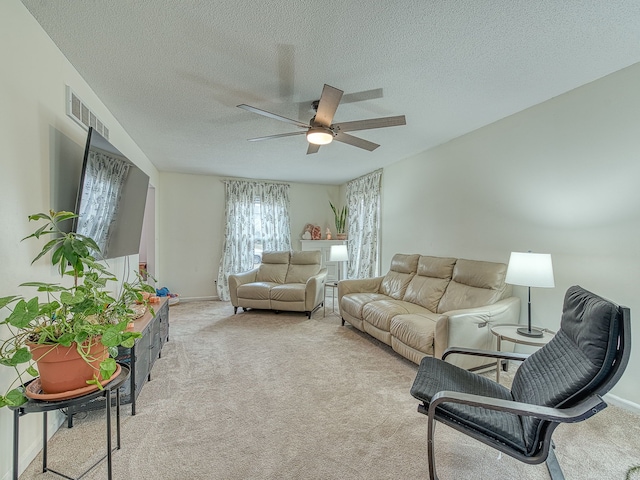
[(198, 299), (622, 403)]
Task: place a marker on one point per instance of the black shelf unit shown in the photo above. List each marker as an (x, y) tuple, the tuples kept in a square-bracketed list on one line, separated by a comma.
[(139, 358)]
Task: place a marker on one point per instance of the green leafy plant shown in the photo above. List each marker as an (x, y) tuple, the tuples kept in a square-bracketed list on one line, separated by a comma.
[(340, 218), (631, 471), (82, 314)]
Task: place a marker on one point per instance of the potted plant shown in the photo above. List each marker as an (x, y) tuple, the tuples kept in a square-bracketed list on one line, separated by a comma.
[(82, 321), (341, 221)]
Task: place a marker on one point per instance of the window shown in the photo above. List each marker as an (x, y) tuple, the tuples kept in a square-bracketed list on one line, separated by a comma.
[(256, 220)]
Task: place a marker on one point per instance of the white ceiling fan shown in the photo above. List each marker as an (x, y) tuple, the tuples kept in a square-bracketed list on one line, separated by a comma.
[(320, 131)]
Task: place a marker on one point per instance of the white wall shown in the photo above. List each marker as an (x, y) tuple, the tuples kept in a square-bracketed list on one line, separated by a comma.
[(192, 228), (560, 178), (35, 137)]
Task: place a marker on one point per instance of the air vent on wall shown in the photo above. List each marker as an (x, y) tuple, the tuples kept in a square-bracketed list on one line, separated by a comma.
[(83, 115)]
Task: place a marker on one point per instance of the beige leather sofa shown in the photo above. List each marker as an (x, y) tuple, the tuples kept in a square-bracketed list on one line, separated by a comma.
[(424, 305), (289, 281)]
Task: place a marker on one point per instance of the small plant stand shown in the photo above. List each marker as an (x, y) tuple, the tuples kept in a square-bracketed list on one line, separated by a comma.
[(39, 406)]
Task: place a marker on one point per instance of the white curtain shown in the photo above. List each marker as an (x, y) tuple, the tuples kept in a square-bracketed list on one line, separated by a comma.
[(363, 202), (274, 216), (103, 182), (240, 215)]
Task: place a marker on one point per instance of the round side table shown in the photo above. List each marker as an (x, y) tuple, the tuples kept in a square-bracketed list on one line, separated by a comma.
[(334, 297), (509, 333)]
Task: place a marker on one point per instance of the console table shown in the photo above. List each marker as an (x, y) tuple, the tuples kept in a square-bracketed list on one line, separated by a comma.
[(39, 406), (140, 357)]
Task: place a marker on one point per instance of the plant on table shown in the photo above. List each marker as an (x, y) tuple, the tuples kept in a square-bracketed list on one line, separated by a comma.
[(340, 216), (79, 316)]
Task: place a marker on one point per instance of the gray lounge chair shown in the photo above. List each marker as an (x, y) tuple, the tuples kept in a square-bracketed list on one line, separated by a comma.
[(563, 382)]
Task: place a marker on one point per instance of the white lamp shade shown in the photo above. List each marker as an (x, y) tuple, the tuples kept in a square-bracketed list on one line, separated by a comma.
[(530, 270), (338, 253)]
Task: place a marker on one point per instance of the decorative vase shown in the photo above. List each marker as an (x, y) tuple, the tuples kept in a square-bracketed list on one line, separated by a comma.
[(62, 369), (341, 236)]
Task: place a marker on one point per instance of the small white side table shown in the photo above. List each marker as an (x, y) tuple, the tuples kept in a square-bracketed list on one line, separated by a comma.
[(509, 333), (334, 291)]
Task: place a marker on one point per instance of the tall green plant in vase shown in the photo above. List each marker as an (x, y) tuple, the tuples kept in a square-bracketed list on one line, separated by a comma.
[(84, 318), (340, 216)]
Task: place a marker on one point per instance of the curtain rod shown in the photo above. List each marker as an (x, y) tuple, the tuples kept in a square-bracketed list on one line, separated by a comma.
[(251, 180)]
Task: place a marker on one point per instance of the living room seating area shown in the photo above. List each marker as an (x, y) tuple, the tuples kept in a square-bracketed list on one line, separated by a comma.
[(425, 304), (288, 281)]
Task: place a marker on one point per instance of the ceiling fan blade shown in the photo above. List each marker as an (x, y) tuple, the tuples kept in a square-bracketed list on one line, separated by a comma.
[(264, 113), (313, 148), (306, 107), (355, 141), (371, 123), (328, 105), (361, 96), (269, 137)]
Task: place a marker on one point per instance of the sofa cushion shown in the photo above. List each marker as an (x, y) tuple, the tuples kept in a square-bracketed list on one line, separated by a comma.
[(302, 266), (416, 330), (288, 292), (380, 312), (430, 281), (473, 284), (306, 258), (403, 268), (256, 290), (353, 303), (274, 267)]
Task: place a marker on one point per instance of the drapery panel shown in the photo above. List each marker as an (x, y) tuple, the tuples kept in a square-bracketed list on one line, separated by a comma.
[(363, 202), (242, 198), (103, 183), (274, 216)]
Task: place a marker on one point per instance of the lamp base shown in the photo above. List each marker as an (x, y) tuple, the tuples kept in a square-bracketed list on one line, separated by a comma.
[(529, 333)]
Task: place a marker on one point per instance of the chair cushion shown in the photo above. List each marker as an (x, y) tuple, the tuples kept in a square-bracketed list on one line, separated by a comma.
[(435, 375)]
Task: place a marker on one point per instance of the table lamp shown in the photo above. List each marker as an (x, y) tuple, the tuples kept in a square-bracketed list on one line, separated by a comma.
[(338, 253), (530, 270)]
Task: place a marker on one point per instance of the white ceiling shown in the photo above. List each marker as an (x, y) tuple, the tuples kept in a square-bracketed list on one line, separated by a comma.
[(173, 71)]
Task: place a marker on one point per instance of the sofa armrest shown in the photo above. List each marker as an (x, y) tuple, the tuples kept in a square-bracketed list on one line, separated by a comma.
[(314, 290), (359, 285), (237, 279), (470, 327)]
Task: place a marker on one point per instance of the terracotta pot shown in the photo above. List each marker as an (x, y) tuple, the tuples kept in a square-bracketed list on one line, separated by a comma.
[(62, 369), (341, 236)]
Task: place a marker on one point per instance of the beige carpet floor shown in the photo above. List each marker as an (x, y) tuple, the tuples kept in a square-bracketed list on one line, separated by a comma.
[(260, 395)]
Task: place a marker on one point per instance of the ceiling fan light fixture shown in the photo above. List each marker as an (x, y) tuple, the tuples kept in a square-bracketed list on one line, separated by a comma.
[(319, 136)]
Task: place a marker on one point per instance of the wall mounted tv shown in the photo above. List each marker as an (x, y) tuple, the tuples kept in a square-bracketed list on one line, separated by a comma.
[(111, 198)]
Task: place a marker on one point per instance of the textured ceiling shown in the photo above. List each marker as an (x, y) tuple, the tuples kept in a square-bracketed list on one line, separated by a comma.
[(172, 72)]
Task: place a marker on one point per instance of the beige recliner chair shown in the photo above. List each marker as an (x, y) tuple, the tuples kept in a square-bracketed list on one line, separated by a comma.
[(287, 281)]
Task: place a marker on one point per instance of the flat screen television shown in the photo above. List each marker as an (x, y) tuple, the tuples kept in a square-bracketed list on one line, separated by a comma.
[(111, 198)]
